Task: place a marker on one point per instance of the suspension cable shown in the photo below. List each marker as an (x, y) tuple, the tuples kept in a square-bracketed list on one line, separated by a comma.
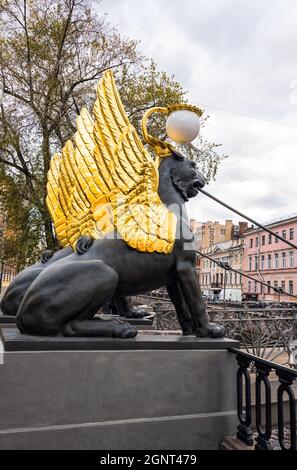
[(276, 235), (227, 267)]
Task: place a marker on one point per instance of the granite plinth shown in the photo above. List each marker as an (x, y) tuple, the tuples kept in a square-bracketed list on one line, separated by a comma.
[(147, 393), (6, 319), (13, 340)]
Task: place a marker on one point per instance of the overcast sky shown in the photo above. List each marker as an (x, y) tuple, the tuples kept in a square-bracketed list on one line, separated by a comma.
[(241, 56)]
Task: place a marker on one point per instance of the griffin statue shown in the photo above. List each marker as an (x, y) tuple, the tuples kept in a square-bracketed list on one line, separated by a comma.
[(120, 218)]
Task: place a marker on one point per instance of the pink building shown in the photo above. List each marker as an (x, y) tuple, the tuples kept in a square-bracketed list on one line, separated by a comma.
[(268, 259)]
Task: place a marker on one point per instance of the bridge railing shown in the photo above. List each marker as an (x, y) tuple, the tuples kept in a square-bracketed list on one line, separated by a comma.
[(270, 334), (264, 370)]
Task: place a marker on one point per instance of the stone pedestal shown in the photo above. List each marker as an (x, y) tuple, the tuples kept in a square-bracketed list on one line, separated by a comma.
[(146, 393), (6, 320)]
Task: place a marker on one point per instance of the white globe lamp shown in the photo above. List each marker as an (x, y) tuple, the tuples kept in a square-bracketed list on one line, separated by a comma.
[(183, 126)]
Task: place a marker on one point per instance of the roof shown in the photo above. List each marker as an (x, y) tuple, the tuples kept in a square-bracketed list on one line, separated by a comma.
[(223, 246), (275, 221)]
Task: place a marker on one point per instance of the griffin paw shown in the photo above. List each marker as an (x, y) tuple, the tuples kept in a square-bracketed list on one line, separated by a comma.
[(187, 329), (136, 312), (123, 330), (212, 330)]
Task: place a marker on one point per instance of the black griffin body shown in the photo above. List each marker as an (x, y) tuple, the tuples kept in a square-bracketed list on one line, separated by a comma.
[(70, 290)]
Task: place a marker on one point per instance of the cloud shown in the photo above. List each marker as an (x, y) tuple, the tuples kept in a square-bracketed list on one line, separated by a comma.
[(239, 56)]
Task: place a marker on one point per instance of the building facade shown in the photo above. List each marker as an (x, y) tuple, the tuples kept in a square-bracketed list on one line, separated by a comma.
[(223, 243), (268, 259), (217, 282), (208, 233)]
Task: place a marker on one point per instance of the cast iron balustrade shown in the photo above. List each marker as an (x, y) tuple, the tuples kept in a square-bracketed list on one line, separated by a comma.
[(286, 378)]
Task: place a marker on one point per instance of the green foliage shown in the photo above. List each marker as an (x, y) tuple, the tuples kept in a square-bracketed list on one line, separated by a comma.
[(52, 53), (22, 228)]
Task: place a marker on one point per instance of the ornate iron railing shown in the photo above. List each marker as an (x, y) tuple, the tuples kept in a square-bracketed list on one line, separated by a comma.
[(267, 333), (264, 370)]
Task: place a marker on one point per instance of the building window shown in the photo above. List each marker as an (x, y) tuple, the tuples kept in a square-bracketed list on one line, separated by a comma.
[(275, 285), (262, 262), (276, 260), (283, 286), (257, 241), (276, 239), (223, 231), (291, 234), (249, 285), (235, 278), (269, 239), (269, 262), (251, 243), (283, 259), (256, 263), (250, 263), (284, 234), (291, 287), (255, 286), (268, 288), (291, 259), (263, 239)]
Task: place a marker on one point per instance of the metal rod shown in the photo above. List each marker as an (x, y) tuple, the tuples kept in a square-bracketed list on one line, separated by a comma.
[(292, 245)]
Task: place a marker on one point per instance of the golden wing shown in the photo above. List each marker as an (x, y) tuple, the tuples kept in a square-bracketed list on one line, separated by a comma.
[(53, 203), (108, 181)]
